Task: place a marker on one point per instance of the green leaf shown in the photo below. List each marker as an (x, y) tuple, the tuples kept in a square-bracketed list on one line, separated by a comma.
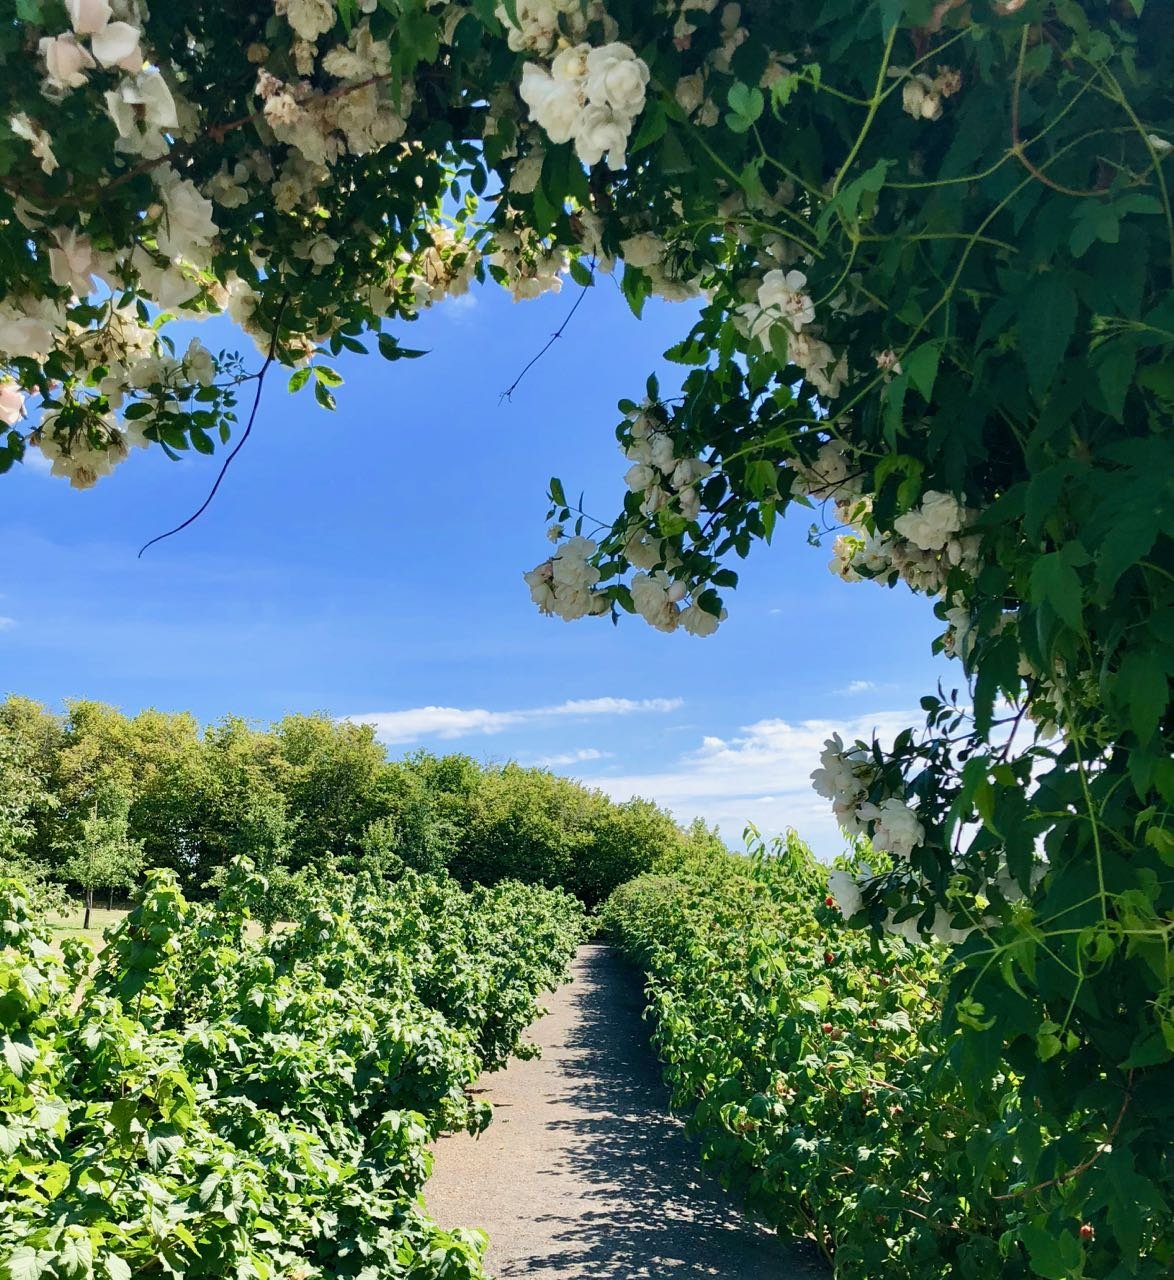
[(24, 1263), (299, 378), (19, 1054), (162, 1145), (390, 349), (202, 440), (327, 376), (1048, 1255), (324, 397), (116, 1268), (746, 105), (1142, 688), (581, 274), (1056, 583), (922, 367), (1047, 320)]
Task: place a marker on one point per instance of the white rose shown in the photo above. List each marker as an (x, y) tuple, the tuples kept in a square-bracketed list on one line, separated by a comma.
[(644, 250), (87, 16), (616, 79), (199, 363), (65, 60), (117, 45), (602, 133), (639, 476), (931, 525), (71, 261), (554, 105), (846, 892), (660, 446), (187, 224), (897, 829), (571, 63), (697, 622), (782, 292), (690, 92), (11, 403), (651, 600)]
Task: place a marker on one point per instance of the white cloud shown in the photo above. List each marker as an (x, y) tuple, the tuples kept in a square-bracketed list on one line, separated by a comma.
[(859, 686), (6, 623), (572, 757), (763, 775), (35, 460), (461, 722)]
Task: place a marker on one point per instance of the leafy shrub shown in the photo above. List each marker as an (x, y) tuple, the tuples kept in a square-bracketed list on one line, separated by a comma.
[(205, 1104), (811, 1059)]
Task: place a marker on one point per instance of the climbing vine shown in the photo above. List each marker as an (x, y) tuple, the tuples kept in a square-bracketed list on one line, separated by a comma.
[(929, 248)]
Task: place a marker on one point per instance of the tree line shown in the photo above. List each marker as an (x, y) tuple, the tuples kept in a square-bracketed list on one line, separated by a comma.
[(91, 798)]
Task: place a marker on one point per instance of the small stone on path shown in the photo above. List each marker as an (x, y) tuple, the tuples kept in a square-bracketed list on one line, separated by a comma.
[(583, 1174)]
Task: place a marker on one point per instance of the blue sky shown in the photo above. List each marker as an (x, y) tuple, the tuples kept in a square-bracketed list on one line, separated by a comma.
[(368, 563)]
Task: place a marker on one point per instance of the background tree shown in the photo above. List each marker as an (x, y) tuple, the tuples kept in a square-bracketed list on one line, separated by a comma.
[(103, 855)]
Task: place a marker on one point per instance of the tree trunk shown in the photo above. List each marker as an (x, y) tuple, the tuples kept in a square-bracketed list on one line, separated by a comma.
[(89, 907), (111, 898)]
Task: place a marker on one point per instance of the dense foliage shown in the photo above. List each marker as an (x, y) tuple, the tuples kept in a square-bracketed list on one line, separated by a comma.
[(204, 1103), (89, 798), (813, 1064), (931, 243)]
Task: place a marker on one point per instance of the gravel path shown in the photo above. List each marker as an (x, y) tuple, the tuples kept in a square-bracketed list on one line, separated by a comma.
[(582, 1173)]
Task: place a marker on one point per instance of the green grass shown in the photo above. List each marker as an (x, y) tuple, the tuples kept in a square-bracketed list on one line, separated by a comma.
[(101, 919)]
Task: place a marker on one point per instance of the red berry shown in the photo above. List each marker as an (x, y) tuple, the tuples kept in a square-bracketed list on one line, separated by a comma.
[(829, 901), (826, 1028), (1086, 1231), (829, 957)]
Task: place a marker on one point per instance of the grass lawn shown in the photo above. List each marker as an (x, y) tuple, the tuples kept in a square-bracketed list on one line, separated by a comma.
[(102, 918)]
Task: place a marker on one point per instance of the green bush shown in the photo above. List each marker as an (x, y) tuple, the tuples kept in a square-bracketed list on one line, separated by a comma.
[(811, 1060), (202, 1103)]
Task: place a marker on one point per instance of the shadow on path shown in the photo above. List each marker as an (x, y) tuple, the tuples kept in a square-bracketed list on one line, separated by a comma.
[(583, 1174)]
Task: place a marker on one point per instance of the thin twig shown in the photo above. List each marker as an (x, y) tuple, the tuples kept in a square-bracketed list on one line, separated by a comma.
[(508, 393), (270, 357)]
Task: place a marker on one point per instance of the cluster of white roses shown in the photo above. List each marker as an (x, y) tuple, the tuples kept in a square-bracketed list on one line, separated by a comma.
[(844, 777), (529, 266), (927, 542), (109, 42), (661, 600), (692, 91), (563, 584), (84, 456), (590, 97), (657, 474), (541, 24), (782, 306), (652, 255), (320, 127)]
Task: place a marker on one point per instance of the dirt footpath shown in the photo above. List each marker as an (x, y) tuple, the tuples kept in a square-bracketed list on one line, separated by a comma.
[(582, 1173)]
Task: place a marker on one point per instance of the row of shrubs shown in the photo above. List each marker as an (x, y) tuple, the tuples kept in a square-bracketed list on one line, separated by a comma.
[(204, 1100), (811, 1061)]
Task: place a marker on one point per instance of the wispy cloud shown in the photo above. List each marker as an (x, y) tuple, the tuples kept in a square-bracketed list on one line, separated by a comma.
[(761, 775), (863, 686), (415, 723), (6, 623), (572, 757), (35, 460)]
